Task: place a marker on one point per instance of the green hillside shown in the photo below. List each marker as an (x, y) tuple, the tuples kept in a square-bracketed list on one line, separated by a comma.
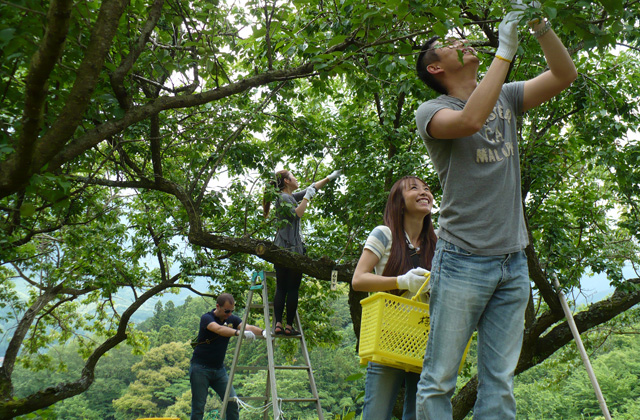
[(154, 382)]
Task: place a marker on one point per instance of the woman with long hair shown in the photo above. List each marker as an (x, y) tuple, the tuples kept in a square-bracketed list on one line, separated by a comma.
[(395, 258), (290, 207)]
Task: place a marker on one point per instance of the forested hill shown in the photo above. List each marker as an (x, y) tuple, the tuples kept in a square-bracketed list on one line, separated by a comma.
[(154, 382)]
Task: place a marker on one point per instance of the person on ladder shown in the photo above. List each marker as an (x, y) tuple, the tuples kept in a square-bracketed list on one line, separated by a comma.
[(288, 215), (403, 245), (207, 363)]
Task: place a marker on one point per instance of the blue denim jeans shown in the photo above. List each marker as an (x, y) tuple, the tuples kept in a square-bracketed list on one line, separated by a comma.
[(381, 391), (471, 291), (201, 378)]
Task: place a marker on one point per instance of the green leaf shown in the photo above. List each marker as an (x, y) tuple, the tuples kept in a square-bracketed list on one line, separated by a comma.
[(613, 6), (27, 210), (354, 377), (336, 40), (259, 32), (551, 12), (440, 29), (6, 35)]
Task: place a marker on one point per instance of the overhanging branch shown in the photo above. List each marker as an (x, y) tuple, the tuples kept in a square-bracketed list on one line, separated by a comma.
[(44, 398), (319, 269)]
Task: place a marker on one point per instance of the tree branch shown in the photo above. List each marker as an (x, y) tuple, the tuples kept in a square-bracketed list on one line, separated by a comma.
[(319, 269), (40, 68), (118, 75), (44, 398), (6, 385), (88, 73)]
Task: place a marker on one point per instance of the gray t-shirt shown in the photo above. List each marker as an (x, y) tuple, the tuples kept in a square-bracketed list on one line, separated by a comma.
[(288, 235), (481, 207)]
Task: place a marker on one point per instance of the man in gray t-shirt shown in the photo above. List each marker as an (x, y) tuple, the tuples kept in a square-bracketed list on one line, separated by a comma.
[(478, 214), (479, 276)]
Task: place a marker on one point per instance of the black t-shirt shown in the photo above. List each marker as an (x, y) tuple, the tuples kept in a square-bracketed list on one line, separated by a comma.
[(212, 354)]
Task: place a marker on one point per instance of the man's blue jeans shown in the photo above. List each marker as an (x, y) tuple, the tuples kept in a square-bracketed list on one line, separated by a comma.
[(470, 291), (381, 391), (203, 377)]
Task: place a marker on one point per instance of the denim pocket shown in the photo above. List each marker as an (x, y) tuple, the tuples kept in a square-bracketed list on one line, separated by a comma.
[(458, 262), (455, 250)]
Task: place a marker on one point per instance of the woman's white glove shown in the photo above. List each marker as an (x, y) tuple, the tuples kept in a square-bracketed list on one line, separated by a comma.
[(412, 280), (333, 175), (249, 335), (508, 35), (311, 191)]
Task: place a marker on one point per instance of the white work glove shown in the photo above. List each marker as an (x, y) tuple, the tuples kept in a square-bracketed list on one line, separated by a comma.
[(248, 335), (412, 280), (264, 333), (518, 5), (333, 175), (508, 35), (311, 191)]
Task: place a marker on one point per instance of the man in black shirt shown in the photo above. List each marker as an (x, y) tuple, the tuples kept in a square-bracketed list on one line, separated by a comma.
[(207, 369)]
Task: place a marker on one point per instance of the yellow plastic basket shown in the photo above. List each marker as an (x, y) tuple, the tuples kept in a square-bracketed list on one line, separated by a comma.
[(394, 331)]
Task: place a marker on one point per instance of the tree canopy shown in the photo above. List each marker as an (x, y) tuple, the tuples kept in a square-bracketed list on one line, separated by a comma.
[(137, 129)]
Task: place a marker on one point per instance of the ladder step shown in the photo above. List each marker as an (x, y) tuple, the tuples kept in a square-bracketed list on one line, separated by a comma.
[(259, 306), (254, 398), (293, 367), (258, 368), (283, 399), (300, 399)]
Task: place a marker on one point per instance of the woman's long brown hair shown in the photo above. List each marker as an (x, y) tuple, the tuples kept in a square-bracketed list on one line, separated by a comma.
[(277, 183), (399, 260)]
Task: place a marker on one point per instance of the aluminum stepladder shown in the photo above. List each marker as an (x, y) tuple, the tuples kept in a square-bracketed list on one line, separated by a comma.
[(259, 283)]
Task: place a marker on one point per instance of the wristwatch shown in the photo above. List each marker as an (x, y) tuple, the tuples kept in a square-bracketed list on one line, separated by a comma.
[(237, 333)]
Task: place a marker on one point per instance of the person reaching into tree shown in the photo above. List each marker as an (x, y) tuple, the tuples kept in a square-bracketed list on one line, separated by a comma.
[(291, 205), (479, 277), (396, 255)]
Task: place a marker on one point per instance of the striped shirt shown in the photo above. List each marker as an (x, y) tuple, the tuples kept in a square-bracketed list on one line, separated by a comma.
[(379, 242)]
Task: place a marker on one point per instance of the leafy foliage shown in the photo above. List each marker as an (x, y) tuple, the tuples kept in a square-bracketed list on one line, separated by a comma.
[(113, 375), (560, 388), (135, 138), (160, 379)]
